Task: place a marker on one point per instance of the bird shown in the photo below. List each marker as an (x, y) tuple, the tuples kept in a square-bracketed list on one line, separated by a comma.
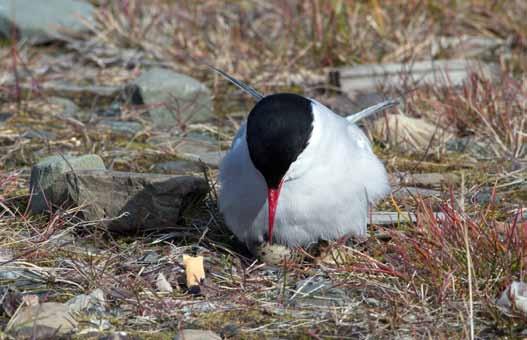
[(298, 173)]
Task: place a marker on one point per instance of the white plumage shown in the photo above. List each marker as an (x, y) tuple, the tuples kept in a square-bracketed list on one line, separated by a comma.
[(325, 193)]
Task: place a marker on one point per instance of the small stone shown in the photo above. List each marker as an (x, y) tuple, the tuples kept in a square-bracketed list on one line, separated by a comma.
[(5, 116), (42, 21), (410, 192), (196, 334), (47, 183), (476, 148), (180, 166), (44, 321), (121, 128), (150, 257), (114, 110), (90, 304), (162, 284), (174, 98), (318, 291), (118, 336), (38, 134), (514, 297), (69, 108), (211, 159), (408, 132), (230, 331)]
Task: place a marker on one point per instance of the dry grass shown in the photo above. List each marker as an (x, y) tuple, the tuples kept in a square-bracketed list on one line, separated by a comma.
[(434, 279)]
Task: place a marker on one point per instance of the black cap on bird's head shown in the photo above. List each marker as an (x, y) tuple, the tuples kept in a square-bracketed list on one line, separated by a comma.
[(278, 130)]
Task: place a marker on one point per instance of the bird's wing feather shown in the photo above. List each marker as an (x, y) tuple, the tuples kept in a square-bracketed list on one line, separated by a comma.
[(244, 87), (354, 118)]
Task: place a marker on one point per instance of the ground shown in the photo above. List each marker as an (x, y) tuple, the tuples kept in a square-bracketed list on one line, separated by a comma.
[(427, 279)]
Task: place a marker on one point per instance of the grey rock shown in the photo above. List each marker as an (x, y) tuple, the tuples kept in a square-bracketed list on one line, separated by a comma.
[(467, 46), (5, 116), (93, 303), (478, 149), (38, 134), (364, 84), (21, 278), (114, 110), (47, 183), (43, 321), (485, 196), (132, 201), (175, 98), (230, 330), (121, 128), (150, 257), (406, 192), (318, 292), (370, 77), (85, 95), (69, 108), (196, 334), (119, 336), (211, 159), (42, 21), (179, 166), (195, 147)]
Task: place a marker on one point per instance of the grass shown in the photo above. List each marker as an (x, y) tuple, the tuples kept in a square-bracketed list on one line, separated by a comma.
[(431, 279)]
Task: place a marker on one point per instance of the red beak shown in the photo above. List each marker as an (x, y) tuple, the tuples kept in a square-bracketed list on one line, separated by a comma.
[(272, 202)]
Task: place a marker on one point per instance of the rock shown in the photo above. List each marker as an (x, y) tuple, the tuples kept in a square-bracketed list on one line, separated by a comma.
[(476, 148), (484, 196), (42, 21), (38, 134), (211, 159), (69, 108), (47, 183), (319, 292), (366, 80), (119, 336), (85, 95), (132, 201), (407, 192), (114, 110), (44, 321), (150, 257), (22, 278), (467, 46), (409, 133), (230, 330), (180, 166), (172, 97), (196, 334), (94, 303), (117, 127), (5, 116), (162, 284), (514, 298)]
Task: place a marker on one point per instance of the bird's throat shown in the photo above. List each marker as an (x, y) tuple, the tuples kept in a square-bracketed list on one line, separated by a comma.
[(272, 202)]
